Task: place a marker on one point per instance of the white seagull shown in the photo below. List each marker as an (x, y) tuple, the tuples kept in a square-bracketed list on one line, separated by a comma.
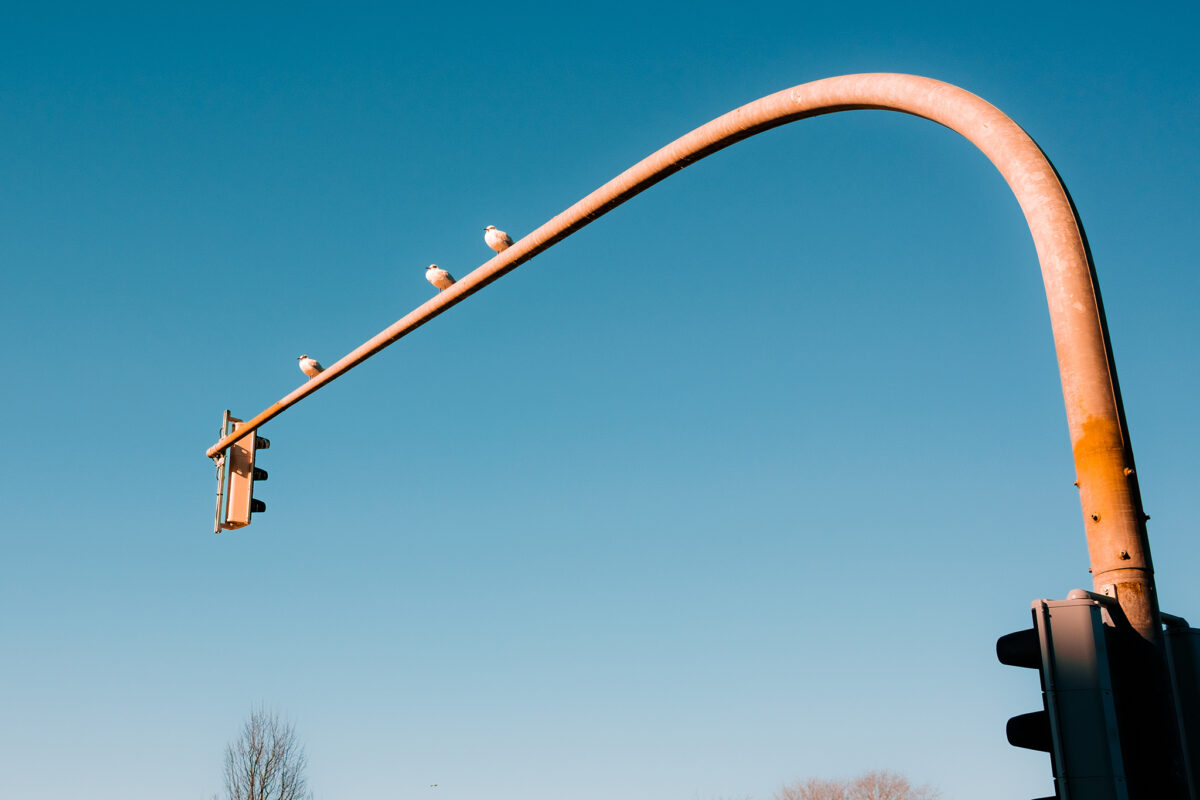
[(439, 277), (497, 240), (309, 366)]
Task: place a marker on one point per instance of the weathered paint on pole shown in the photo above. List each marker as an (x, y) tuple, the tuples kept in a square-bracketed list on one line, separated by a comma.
[(1111, 502)]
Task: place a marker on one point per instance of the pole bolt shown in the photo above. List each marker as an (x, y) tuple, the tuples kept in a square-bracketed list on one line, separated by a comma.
[(1124, 555), (1095, 517)]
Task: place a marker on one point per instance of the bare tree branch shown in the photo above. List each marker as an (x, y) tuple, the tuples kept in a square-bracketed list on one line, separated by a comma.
[(884, 785), (266, 762), (813, 789), (874, 785)]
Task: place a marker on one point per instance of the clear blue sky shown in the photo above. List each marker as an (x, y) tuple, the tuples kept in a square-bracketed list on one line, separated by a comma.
[(737, 486)]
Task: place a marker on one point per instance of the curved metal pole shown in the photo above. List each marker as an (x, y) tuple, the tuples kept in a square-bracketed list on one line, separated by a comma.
[(1112, 510)]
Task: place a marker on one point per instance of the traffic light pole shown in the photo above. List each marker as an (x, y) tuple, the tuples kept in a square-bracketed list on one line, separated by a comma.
[(1111, 502)]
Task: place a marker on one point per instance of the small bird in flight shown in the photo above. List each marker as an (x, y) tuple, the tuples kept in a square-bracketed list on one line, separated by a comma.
[(439, 277), (309, 366), (497, 240)]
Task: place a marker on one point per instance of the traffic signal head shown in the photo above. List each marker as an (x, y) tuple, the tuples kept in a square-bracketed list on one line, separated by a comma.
[(1077, 725), (236, 475)]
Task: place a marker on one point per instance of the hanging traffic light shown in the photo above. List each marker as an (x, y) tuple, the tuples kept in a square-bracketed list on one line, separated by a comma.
[(236, 475), (1078, 725)]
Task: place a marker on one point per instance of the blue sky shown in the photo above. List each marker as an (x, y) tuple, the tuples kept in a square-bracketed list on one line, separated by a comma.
[(736, 486)]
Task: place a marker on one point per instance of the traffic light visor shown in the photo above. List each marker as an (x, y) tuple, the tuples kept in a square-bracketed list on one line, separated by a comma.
[(1020, 649)]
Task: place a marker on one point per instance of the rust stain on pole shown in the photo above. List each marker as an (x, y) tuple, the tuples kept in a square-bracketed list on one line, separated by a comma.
[(1111, 503)]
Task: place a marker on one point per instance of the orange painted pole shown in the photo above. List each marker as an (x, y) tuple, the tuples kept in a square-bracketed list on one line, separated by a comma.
[(1113, 518)]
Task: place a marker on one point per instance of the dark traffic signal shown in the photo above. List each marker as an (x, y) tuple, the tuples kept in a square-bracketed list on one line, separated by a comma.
[(236, 475), (1078, 723)]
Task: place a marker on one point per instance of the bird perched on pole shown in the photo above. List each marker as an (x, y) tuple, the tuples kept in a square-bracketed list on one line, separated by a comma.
[(497, 240), (439, 277), (310, 366)]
